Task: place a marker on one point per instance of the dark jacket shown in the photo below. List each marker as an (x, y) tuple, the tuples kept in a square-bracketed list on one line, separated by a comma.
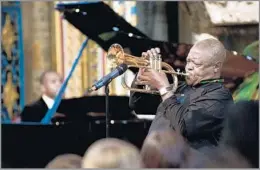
[(198, 112), (34, 112)]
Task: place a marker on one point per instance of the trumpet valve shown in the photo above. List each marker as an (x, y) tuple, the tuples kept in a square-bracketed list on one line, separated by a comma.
[(158, 63)]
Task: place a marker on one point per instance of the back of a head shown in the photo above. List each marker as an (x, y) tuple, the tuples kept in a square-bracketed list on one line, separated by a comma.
[(65, 161), (215, 48), (241, 129), (164, 149), (226, 157), (112, 153)]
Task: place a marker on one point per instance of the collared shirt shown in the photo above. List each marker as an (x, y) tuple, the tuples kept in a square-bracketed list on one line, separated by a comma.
[(49, 101)]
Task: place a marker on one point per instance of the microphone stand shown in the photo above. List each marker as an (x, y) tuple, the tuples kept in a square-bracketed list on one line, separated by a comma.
[(107, 109)]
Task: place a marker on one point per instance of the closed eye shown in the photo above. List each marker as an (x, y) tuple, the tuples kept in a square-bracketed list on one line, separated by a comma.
[(197, 64)]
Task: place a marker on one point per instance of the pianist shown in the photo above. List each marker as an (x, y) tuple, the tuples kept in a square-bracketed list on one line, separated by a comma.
[(50, 83)]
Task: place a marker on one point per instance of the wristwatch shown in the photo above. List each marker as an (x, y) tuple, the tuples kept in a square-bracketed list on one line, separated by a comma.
[(164, 90)]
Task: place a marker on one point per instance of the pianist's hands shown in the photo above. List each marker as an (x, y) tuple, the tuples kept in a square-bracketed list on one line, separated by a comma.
[(58, 115)]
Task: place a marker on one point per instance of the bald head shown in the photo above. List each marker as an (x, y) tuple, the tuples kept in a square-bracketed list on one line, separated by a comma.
[(205, 61), (51, 82)]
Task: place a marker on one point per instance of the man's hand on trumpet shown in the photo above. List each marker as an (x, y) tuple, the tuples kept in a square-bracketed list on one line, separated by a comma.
[(155, 79), (151, 77)]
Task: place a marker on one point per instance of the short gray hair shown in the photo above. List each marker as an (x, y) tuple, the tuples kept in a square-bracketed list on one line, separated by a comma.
[(215, 47)]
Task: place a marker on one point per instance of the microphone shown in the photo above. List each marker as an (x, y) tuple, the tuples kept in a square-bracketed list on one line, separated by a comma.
[(103, 81)]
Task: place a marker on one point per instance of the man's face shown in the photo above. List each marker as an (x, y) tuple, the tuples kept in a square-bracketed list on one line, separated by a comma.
[(51, 84), (199, 66)]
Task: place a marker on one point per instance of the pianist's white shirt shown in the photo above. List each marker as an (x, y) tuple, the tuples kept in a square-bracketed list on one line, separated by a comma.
[(49, 101)]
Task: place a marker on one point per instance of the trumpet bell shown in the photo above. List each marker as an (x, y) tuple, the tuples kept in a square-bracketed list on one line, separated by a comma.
[(115, 55)]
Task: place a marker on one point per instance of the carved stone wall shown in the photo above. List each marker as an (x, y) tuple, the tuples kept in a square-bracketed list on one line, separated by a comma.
[(193, 21), (152, 19)]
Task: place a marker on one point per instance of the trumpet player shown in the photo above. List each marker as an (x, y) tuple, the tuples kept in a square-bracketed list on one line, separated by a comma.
[(197, 107)]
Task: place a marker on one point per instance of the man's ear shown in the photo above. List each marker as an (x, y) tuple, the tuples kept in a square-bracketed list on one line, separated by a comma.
[(43, 89), (217, 67)]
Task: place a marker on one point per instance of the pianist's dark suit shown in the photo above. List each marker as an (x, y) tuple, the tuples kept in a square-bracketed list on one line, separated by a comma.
[(34, 112)]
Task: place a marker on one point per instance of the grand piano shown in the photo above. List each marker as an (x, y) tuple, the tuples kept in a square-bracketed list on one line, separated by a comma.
[(34, 145)]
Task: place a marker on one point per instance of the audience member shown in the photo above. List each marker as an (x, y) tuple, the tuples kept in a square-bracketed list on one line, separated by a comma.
[(241, 130), (65, 161), (112, 153), (225, 157), (168, 149)]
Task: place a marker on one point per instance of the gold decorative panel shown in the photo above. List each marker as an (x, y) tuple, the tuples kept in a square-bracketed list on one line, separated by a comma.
[(8, 37), (10, 95), (12, 65)]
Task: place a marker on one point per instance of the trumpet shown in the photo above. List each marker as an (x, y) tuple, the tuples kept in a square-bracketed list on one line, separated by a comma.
[(116, 56)]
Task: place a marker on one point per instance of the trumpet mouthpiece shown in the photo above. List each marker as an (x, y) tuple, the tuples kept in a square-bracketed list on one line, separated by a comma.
[(186, 74)]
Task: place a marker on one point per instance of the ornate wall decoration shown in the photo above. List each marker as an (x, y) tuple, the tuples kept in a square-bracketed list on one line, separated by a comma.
[(95, 65), (72, 40), (9, 37), (12, 72)]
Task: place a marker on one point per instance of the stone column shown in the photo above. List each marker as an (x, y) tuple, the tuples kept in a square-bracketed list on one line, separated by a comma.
[(27, 43), (194, 22), (41, 43), (152, 19)]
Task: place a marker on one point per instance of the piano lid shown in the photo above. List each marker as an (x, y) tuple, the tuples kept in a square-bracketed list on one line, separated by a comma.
[(103, 25), (99, 22)]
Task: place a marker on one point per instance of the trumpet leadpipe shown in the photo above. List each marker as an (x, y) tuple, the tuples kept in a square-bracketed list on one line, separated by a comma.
[(176, 73)]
